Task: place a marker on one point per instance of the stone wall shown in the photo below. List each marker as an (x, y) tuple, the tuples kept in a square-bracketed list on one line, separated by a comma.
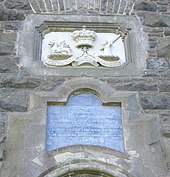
[(153, 86)]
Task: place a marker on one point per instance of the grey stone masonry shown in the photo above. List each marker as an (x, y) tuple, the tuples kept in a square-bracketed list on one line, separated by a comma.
[(24, 96)]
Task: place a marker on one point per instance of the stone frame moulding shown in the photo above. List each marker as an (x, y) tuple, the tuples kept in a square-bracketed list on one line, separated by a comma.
[(137, 130), (37, 26)]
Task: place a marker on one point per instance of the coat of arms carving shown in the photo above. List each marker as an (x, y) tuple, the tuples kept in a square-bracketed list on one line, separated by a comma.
[(83, 48)]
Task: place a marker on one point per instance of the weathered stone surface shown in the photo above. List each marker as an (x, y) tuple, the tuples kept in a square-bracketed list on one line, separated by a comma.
[(162, 8), (41, 5), (138, 87), (155, 102), (8, 36), (8, 64), (49, 5), (6, 48), (166, 19), (2, 127), (153, 19), (6, 15), (157, 63), (28, 82), (163, 47), (152, 44), (165, 125), (51, 83), (167, 32), (3, 120), (13, 100), (17, 4), (145, 6), (21, 82), (164, 87), (10, 25)]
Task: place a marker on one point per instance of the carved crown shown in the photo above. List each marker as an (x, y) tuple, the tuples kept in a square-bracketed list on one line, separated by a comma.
[(84, 37)]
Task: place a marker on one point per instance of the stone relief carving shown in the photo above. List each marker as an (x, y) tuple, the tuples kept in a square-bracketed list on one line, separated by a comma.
[(59, 51), (83, 48)]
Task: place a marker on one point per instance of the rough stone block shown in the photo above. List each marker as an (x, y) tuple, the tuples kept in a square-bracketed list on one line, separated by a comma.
[(166, 19), (6, 15), (21, 82), (17, 4), (167, 32), (3, 117), (1, 155), (163, 47), (157, 63), (138, 87), (153, 19), (8, 64), (165, 125), (2, 127), (145, 6), (152, 44), (155, 102), (13, 100), (162, 8), (8, 36), (6, 48), (11, 25), (164, 87)]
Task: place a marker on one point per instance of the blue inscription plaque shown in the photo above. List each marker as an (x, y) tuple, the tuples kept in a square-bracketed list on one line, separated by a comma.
[(84, 121)]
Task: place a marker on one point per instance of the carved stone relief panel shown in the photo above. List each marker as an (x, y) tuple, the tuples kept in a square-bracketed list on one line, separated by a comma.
[(59, 45), (83, 47)]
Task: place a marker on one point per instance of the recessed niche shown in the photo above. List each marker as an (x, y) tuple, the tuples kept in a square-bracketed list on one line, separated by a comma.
[(83, 48), (84, 121), (109, 47)]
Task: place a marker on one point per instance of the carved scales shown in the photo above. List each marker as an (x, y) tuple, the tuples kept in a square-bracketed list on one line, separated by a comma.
[(84, 48)]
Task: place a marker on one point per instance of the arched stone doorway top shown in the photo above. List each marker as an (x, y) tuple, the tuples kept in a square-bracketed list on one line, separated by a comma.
[(85, 168)]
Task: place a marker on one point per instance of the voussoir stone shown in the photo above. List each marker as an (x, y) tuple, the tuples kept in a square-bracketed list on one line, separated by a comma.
[(145, 6), (51, 83), (13, 100), (17, 4)]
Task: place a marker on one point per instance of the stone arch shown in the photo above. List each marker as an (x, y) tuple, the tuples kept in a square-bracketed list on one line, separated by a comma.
[(85, 168), (101, 89), (86, 6)]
